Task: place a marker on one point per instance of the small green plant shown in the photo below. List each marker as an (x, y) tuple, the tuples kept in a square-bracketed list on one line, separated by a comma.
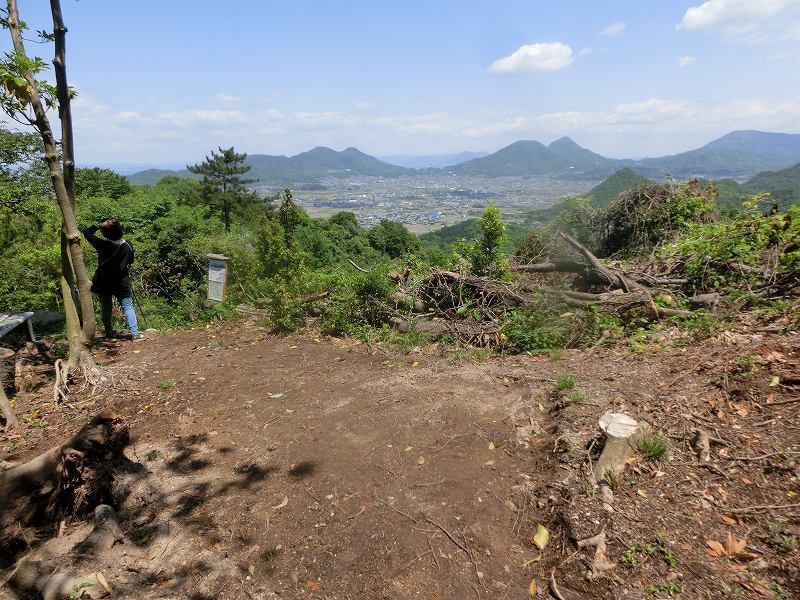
[(166, 384), (556, 354), (565, 382), (653, 446), (670, 588), (611, 479), (668, 556), (77, 589), (779, 538), (629, 558), (747, 365), (577, 398), (481, 353)]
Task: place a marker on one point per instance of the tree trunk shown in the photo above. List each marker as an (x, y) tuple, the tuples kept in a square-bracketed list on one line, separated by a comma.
[(75, 281), (5, 406), (8, 414)]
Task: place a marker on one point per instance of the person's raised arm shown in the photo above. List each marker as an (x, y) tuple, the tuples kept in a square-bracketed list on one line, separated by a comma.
[(90, 234)]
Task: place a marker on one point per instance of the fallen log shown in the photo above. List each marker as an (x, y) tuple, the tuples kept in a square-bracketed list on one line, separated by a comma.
[(611, 277), (67, 480), (626, 303)]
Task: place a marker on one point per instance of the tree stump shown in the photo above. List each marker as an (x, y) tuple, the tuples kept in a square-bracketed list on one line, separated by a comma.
[(619, 430)]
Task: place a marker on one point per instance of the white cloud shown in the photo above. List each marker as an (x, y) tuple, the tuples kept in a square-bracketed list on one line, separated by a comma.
[(748, 20), (549, 56), (654, 125), (365, 104), (687, 61), (192, 117), (615, 28), (228, 98)]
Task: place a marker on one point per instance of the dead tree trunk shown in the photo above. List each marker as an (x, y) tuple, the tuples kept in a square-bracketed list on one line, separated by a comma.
[(70, 479)]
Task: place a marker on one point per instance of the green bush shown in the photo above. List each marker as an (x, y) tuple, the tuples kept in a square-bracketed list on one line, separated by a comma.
[(732, 253)]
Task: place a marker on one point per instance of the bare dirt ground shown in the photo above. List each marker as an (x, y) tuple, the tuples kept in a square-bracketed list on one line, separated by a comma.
[(298, 466)]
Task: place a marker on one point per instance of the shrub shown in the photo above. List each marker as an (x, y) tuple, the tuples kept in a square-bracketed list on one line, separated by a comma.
[(535, 331), (737, 253), (565, 382)]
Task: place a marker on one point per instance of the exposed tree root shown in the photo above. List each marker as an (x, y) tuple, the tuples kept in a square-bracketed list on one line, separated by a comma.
[(67, 480), (83, 373)]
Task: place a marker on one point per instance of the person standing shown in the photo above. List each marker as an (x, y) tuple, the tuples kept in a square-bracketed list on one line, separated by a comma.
[(115, 255)]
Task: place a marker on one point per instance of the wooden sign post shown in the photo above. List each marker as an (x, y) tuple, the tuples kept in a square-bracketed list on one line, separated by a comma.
[(217, 278)]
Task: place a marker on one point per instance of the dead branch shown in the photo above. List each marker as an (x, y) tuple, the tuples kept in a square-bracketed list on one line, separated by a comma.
[(353, 264), (760, 508)]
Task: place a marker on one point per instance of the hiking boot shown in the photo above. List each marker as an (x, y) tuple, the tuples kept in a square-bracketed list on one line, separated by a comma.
[(139, 337)]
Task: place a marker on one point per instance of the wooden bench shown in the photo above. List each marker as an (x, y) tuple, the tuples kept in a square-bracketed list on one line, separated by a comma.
[(9, 321)]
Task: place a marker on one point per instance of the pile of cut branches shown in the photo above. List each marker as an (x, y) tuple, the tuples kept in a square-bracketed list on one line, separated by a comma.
[(467, 307), (642, 218)]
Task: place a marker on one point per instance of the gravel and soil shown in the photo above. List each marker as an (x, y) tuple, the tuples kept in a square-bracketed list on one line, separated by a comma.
[(309, 467)]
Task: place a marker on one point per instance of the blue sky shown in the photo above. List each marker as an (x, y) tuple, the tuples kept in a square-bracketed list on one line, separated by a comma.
[(163, 82)]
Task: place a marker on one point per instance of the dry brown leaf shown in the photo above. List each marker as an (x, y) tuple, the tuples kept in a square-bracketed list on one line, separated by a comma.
[(757, 587), (729, 520), (541, 537), (102, 581), (532, 588), (734, 546), (313, 586), (283, 502), (716, 549)]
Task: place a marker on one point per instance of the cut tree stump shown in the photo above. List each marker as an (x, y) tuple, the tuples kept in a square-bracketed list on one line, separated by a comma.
[(619, 430)]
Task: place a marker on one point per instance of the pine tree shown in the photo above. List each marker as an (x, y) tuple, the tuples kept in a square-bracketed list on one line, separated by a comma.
[(223, 188)]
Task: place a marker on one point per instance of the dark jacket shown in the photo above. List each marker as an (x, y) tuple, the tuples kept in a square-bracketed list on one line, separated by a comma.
[(111, 276)]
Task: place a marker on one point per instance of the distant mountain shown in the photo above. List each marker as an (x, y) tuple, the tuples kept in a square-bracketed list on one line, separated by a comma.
[(621, 181), (434, 161), (302, 168), (783, 185), (153, 176), (561, 159), (738, 155)]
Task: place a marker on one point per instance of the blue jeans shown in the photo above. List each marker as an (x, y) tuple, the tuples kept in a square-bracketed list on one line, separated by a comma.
[(127, 307)]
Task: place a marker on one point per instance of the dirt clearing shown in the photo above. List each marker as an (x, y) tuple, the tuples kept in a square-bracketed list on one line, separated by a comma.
[(296, 466)]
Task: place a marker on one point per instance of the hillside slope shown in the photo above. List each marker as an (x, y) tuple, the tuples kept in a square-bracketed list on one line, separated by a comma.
[(738, 154)]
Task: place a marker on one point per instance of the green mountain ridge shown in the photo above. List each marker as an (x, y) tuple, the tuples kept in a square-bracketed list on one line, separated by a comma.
[(621, 181), (563, 158), (305, 167), (738, 155)]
